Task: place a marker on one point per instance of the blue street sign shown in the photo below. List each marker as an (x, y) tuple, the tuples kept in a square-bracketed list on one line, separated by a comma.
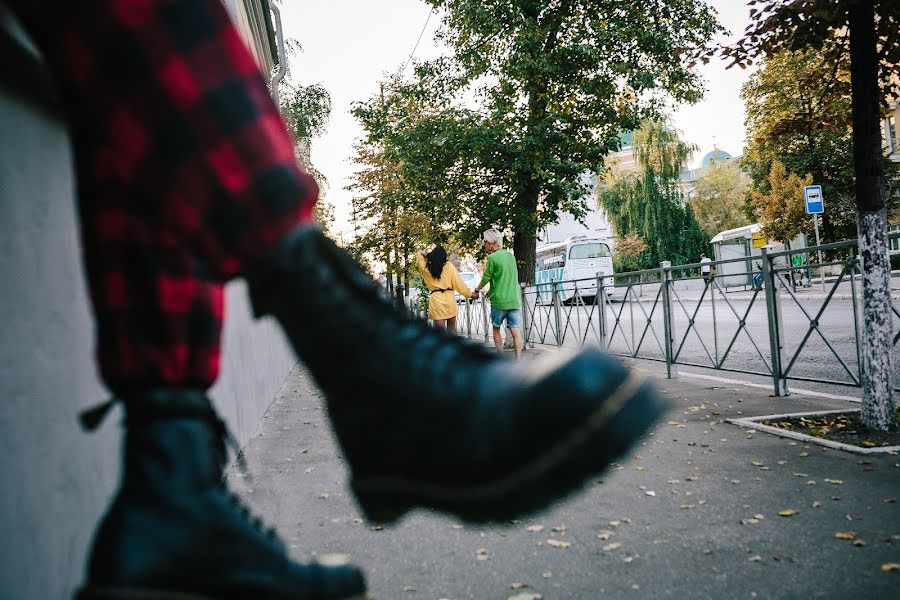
[(815, 203)]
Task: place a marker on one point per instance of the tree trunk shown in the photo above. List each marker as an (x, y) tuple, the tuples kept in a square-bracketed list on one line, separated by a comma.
[(878, 404), (524, 246)]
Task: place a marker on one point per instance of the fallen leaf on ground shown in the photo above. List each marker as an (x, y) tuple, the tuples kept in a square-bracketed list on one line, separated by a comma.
[(518, 586), (845, 535), (560, 528), (534, 528), (755, 558), (482, 554), (859, 543), (526, 597), (888, 567), (605, 534), (613, 546), (757, 463), (558, 543), (790, 512), (834, 481)]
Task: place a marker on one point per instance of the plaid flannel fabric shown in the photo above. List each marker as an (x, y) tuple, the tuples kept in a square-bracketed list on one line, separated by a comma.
[(185, 173)]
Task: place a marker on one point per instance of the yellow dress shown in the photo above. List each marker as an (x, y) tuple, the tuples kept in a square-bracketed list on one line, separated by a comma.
[(442, 304)]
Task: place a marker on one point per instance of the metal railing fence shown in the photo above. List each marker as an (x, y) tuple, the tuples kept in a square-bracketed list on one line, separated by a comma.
[(773, 327)]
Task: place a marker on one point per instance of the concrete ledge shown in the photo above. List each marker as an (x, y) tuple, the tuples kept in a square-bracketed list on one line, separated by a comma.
[(754, 423)]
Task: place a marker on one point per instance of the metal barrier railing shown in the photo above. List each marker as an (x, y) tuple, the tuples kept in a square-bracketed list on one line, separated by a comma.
[(675, 315)]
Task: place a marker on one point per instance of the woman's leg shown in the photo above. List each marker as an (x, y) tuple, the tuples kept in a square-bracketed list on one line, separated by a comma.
[(451, 324), (440, 323)]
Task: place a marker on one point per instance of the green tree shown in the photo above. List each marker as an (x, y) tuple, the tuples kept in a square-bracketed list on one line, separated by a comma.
[(798, 113), (782, 209), (871, 26), (550, 85), (306, 110), (719, 196), (390, 227), (649, 204)]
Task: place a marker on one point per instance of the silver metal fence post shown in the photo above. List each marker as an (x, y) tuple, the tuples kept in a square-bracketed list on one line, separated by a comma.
[(556, 312), (484, 317), (600, 303), (525, 328), (665, 282), (773, 312), (853, 264)]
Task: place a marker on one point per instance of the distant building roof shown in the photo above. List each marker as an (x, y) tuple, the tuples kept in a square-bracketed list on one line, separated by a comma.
[(715, 155)]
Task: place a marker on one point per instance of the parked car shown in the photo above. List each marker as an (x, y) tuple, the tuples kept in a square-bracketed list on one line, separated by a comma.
[(471, 279)]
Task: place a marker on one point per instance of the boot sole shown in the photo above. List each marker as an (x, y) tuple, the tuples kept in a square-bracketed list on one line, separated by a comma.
[(619, 422), (128, 593)]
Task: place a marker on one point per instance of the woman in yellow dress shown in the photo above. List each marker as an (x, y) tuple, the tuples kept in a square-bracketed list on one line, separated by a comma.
[(442, 278)]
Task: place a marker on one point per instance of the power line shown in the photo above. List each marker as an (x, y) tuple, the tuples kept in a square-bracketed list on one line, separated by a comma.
[(421, 33)]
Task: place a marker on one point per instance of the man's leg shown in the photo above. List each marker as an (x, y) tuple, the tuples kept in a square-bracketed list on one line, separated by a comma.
[(517, 340), (498, 339), (514, 327)]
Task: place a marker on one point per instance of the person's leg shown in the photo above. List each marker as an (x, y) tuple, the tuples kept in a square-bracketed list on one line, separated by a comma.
[(440, 323), (170, 116), (497, 318), (142, 84), (514, 326), (498, 339), (517, 340), (451, 324)]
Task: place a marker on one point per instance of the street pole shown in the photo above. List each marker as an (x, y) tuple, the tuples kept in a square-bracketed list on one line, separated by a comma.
[(818, 243)]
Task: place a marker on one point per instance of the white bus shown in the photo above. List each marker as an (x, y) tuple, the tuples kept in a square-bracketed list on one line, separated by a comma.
[(578, 257)]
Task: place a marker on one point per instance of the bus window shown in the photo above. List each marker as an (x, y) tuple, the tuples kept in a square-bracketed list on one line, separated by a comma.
[(595, 250)]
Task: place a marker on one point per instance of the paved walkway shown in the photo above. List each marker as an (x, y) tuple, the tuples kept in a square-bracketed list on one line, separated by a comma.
[(692, 512)]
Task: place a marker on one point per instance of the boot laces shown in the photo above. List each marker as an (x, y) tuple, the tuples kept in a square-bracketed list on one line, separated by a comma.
[(224, 440)]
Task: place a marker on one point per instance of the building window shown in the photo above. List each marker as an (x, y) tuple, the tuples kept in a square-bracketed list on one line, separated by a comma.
[(894, 243)]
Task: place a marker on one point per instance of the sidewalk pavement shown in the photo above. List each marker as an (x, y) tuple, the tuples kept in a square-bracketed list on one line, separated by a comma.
[(691, 512)]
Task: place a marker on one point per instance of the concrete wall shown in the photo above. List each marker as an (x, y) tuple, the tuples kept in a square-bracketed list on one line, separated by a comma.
[(56, 479)]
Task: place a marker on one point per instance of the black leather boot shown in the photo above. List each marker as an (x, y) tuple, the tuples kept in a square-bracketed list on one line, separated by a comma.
[(175, 531), (430, 419)]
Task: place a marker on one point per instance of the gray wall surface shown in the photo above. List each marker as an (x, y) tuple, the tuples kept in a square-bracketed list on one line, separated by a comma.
[(56, 479)]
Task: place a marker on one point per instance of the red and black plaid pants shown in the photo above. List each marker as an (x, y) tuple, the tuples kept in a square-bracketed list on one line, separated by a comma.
[(185, 171)]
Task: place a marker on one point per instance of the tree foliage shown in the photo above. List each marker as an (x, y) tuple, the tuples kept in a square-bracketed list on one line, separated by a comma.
[(782, 208), (800, 25), (534, 96), (386, 208), (306, 110), (719, 196), (649, 204), (798, 113)]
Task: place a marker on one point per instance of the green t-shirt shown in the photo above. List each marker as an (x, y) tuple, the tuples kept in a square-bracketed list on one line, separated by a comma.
[(501, 273)]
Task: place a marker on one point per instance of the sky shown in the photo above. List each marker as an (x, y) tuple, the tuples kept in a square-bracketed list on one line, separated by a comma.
[(349, 46)]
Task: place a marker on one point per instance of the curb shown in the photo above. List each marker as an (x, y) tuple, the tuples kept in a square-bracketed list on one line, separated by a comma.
[(753, 423)]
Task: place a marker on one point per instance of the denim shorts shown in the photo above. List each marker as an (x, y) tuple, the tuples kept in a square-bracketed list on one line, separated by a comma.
[(513, 317)]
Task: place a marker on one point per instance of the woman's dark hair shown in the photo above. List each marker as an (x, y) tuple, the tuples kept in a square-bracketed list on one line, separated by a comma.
[(436, 260)]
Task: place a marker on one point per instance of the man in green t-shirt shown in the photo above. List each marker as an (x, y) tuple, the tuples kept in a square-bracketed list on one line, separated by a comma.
[(502, 275)]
